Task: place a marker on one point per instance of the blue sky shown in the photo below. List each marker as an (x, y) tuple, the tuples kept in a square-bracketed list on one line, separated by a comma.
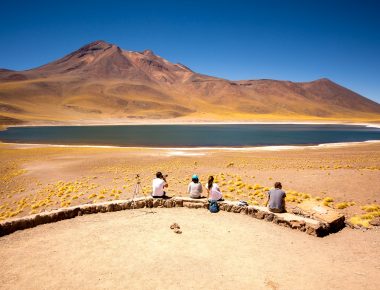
[(286, 40)]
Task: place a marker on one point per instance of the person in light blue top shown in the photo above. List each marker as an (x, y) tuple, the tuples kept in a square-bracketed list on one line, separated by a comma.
[(195, 187)]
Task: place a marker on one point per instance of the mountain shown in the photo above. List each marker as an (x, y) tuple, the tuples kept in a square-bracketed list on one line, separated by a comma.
[(101, 82)]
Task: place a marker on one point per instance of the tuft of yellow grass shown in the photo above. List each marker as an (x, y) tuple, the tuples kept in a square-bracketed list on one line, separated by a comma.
[(342, 205), (359, 221), (371, 207)]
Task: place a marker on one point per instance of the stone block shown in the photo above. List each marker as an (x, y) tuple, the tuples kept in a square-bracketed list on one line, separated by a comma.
[(260, 215), (269, 217), (324, 214), (178, 202), (149, 202), (126, 205), (157, 202)]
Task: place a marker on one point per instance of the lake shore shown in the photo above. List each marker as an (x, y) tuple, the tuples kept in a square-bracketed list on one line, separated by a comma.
[(111, 122)]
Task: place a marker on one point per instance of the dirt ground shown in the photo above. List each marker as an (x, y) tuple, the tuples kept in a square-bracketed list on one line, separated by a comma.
[(138, 250), (40, 178)]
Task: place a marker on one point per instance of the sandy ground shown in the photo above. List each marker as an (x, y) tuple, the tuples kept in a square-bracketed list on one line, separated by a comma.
[(137, 250), (40, 178)]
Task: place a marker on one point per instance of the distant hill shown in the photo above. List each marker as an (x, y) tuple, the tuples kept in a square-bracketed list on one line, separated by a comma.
[(101, 82)]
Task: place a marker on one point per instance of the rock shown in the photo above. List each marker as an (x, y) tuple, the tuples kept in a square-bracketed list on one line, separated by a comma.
[(295, 224), (110, 207), (175, 226), (252, 211), (260, 215), (117, 207), (278, 220), (178, 203), (269, 217), (149, 203), (375, 222), (192, 205), (140, 204), (126, 205), (156, 202), (102, 208), (228, 207), (244, 210), (236, 209), (312, 230), (169, 203)]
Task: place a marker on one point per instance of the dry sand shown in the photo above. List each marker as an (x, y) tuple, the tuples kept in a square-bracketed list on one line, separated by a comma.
[(137, 250)]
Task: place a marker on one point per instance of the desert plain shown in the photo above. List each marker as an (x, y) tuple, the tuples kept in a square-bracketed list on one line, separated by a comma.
[(120, 250)]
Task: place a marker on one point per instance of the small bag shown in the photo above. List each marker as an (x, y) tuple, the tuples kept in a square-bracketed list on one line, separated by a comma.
[(213, 206)]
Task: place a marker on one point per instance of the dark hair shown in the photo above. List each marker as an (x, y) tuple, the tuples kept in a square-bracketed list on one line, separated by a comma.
[(278, 185), (159, 174), (195, 180), (210, 182)]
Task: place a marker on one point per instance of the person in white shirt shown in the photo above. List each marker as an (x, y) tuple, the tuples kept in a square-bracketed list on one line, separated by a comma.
[(195, 187), (158, 185), (213, 190)]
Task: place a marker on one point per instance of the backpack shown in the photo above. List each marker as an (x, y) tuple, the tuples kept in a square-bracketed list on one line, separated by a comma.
[(213, 206)]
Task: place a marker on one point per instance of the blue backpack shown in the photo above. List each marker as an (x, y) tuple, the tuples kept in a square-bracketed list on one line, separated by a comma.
[(213, 206)]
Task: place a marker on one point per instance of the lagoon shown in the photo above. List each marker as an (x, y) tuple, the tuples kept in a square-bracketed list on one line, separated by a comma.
[(220, 135)]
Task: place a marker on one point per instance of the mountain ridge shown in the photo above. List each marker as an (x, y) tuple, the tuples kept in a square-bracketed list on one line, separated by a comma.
[(102, 81)]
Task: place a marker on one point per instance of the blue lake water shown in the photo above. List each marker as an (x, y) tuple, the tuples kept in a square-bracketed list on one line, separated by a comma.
[(191, 135)]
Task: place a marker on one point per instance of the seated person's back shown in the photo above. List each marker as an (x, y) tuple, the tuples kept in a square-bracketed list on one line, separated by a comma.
[(276, 198), (158, 185), (213, 189), (195, 188)]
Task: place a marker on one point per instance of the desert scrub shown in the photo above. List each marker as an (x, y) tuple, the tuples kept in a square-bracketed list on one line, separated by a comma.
[(359, 220), (343, 205), (364, 220), (327, 201), (371, 208)]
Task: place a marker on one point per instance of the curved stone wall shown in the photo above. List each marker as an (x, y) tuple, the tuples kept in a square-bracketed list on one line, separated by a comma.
[(304, 224)]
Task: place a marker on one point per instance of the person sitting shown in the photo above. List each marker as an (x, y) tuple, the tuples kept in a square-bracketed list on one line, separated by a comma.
[(276, 199), (158, 185), (195, 187), (213, 190)]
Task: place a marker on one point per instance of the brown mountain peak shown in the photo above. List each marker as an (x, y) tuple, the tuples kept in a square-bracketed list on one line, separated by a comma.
[(148, 52), (102, 80), (323, 80), (98, 45)]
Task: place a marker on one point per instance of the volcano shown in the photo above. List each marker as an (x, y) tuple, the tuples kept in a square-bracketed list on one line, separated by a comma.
[(102, 83)]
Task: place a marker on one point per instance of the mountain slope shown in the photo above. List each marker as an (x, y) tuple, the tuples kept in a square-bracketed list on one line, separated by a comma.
[(104, 83)]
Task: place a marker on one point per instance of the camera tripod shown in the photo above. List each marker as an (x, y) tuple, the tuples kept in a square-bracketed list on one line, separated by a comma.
[(136, 192)]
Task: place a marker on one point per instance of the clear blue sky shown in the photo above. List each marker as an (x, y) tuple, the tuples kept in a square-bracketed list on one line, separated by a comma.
[(286, 40)]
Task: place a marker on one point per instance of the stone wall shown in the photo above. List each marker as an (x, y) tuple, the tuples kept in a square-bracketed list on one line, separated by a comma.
[(297, 222)]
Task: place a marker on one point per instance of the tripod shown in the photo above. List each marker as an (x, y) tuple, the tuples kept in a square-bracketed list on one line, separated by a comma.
[(136, 192)]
